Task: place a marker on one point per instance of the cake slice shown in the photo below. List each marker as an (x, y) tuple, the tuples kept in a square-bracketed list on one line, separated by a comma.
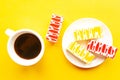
[(101, 48), (80, 52), (86, 34), (54, 28)]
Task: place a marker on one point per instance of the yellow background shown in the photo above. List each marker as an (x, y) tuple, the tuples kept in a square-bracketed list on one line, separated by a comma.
[(36, 15)]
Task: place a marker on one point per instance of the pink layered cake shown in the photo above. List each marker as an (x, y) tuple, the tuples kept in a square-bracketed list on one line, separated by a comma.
[(101, 48), (54, 28)]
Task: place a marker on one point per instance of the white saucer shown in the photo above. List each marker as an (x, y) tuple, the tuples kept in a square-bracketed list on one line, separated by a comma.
[(69, 37)]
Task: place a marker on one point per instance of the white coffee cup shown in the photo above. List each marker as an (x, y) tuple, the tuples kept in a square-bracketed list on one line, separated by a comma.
[(12, 53)]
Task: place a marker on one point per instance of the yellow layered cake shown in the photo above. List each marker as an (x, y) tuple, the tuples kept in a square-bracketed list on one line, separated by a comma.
[(80, 52), (86, 34)]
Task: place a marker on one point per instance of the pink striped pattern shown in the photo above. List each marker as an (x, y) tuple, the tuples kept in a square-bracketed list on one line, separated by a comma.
[(54, 28), (102, 49)]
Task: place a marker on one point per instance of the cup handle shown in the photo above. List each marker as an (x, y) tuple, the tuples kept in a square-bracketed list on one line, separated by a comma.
[(9, 32)]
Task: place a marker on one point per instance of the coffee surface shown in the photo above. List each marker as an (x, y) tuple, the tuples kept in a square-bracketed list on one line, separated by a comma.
[(27, 46)]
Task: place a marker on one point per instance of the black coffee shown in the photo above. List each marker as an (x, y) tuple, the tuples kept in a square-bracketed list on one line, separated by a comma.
[(27, 46)]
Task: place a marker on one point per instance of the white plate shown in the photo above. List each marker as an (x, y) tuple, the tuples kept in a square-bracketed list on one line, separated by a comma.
[(69, 37)]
